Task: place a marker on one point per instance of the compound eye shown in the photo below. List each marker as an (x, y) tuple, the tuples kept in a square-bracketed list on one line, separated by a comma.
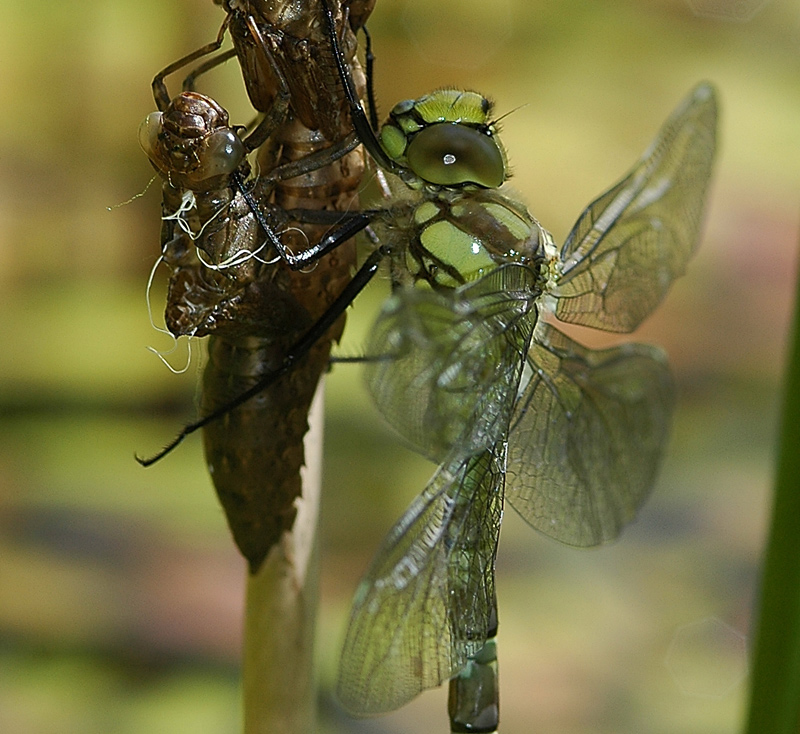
[(222, 153), (450, 154)]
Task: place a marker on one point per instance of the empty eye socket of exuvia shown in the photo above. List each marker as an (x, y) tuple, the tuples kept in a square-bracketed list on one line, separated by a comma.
[(449, 154)]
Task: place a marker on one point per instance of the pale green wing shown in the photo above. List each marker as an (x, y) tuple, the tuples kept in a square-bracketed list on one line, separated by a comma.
[(444, 365), (634, 240), (425, 605), (587, 436)]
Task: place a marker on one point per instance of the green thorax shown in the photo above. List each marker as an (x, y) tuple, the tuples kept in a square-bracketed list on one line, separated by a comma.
[(458, 237)]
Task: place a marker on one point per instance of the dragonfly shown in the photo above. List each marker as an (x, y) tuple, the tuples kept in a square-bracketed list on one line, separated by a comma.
[(226, 281), (468, 367)]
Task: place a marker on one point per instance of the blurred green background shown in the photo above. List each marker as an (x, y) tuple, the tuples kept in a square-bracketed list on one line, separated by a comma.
[(120, 594)]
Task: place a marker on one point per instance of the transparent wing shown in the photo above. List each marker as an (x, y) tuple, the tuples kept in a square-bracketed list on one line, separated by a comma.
[(634, 240), (587, 436), (446, 364), (425, 605)]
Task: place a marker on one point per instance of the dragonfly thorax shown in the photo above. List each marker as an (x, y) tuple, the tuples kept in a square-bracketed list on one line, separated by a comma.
[(455, 237), (445, 139)]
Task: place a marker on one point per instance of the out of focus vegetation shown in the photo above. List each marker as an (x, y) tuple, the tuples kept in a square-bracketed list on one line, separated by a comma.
[(774, 702), (120, 593)]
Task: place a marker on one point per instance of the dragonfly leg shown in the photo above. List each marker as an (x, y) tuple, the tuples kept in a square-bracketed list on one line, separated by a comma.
[(359, 118), (353, 225), (369, 72)]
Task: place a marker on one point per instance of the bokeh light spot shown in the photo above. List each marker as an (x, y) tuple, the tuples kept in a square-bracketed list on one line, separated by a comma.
[(736, 10), (707, 659)]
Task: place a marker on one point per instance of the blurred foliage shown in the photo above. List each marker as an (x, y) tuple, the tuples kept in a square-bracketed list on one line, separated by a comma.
[(121, 594), (775, 689)]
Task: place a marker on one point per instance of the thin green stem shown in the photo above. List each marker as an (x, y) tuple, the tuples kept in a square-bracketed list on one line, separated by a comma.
[(775, 687)]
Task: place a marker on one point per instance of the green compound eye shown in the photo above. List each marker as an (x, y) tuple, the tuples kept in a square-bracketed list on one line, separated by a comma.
[(449, 154)]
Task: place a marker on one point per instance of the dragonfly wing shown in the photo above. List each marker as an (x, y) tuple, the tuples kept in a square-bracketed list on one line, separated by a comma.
[(631, 243), (425, 605), (445, 365), (587, 436)]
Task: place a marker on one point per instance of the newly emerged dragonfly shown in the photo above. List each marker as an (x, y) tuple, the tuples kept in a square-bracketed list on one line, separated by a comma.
[(466, 368)]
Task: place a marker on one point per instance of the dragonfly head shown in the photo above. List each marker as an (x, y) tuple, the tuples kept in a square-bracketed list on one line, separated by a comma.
[(446, 139), (191, 144)]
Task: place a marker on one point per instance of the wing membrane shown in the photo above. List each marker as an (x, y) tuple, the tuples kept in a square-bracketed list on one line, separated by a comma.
[(587, 436), (425, 604), (631, 243), (448, 363)]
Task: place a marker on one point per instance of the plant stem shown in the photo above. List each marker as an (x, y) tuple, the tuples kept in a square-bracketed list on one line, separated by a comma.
[(278, 681), (775, 686)]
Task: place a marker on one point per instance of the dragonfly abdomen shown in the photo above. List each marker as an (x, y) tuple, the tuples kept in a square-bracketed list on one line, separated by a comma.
[(473, 701)]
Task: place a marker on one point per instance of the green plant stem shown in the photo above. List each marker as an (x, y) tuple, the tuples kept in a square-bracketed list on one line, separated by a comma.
[(775, 685), (278, 681)]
